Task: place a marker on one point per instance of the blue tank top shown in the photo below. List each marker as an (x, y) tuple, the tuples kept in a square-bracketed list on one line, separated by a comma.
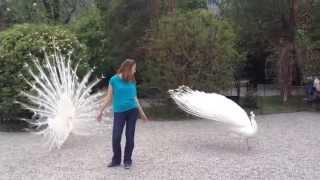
[(124, 94)]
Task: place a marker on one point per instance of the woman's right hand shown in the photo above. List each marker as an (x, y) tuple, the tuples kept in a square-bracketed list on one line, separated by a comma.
[(105, 102)]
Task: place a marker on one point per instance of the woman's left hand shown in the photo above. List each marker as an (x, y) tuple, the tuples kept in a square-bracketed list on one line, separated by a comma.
[(145, 118)]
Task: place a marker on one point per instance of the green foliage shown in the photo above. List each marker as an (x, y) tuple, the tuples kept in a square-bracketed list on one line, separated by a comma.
[(310, 43), (15, 45), (188, 5), (24, 11), (192, 48), (250, 100), (259, 23), (315, 28), (310, 65), (269, 29), (126, 23), (313, 65), (89, 29), (274, 104), (43, 11)]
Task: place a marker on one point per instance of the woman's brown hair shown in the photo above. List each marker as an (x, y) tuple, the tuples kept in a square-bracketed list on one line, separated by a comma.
[(126, 70)]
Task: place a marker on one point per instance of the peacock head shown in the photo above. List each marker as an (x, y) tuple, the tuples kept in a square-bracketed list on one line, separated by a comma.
[(252, 120), (252, 115)]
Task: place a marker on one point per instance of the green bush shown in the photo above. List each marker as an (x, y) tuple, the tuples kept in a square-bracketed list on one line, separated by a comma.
[(16, 44), (125, 24), (194, 49), (250, 100), (89, 29), (188, 5)]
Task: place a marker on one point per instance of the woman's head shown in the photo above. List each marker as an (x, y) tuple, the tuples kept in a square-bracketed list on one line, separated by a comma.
[(127, 69)]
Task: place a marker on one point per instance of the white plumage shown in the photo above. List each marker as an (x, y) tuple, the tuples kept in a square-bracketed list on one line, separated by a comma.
[(62, 104), (216, 107)]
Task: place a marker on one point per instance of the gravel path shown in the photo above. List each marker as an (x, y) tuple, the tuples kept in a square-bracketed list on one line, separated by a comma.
[(286, 147)]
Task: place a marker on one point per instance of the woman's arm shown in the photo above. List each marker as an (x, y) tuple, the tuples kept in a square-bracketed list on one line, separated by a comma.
[(105, 102), (141, 112)]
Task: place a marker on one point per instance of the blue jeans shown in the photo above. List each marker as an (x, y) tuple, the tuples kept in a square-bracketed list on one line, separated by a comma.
[(129, 119), (310, 91)]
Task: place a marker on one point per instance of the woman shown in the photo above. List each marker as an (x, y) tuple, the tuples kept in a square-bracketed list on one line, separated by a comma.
[(122, 91)]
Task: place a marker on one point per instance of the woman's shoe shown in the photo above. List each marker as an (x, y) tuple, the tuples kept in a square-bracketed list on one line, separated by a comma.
[(127, 165), (112, 164)]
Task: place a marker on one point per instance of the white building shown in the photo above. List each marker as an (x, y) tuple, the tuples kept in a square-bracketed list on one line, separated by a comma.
[(214, 6)]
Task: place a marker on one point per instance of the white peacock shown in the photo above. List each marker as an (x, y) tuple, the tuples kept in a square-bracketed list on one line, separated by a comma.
[(62, 104), (215, 107)]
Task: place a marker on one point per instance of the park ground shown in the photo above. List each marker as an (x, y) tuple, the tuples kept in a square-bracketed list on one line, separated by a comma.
[(286, 147)]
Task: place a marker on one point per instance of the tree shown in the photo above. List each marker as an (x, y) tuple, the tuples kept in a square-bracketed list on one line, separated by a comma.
[(309, 38), (126, 22), (15, 45), (3, 18), (192, 48), (275, 23), (45, 11), (189, 5), (89, 28)]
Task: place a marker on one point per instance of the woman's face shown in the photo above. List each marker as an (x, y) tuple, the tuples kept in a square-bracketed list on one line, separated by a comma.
[(134, 69)]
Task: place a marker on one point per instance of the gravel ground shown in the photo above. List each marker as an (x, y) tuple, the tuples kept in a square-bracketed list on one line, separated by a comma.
[(287, 146)]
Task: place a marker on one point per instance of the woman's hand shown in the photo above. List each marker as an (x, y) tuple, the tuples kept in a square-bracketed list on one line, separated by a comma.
[(99, 117), (145, 118), (141, 112), (105, 102)]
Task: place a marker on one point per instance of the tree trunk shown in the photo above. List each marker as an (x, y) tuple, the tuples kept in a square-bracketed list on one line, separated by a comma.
[(172, 6), (52, 9), (286, 62), (3, 23), (288, 56), (154, 6), (56, 10)]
